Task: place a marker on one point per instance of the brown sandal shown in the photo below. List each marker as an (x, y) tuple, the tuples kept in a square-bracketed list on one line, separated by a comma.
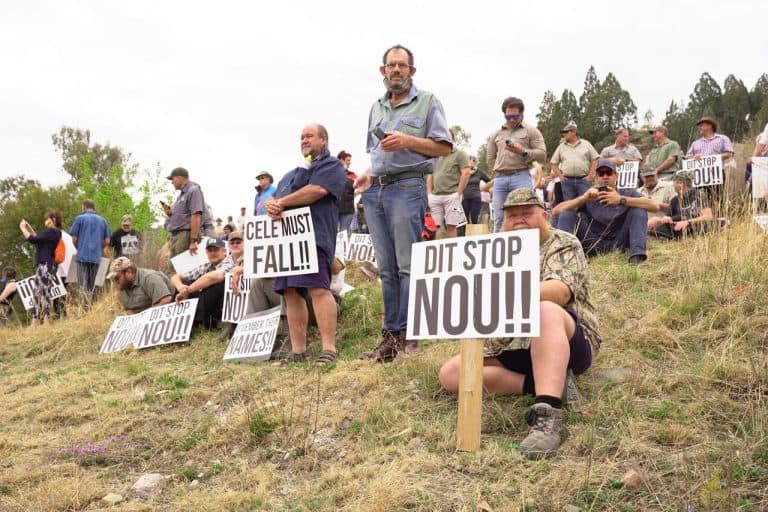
[(326, 357)]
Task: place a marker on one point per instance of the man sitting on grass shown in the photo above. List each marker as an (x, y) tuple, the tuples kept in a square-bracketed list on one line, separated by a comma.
[(543, 366), (605, 218), (689, 212)]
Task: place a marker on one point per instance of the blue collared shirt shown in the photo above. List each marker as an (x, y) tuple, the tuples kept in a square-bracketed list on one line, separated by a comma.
[(421, 115), (91, 229)]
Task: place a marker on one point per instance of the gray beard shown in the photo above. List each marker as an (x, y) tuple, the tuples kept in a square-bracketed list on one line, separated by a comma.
[(399, 87)]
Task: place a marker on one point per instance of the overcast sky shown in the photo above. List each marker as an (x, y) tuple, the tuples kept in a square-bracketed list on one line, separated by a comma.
[(225, 88)]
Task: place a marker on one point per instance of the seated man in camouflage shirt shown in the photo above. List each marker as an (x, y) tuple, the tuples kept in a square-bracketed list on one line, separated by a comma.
[(541, 366), (139, 288), (206, 283)]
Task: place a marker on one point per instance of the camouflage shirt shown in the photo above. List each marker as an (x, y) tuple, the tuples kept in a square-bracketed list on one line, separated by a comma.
[(562, 258)]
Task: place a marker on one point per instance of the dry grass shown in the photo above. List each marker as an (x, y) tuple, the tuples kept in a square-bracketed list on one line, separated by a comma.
[(679, 392)]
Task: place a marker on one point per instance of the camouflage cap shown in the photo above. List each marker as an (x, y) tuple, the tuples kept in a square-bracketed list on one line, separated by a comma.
[(681, 175), (647, 170), (522, 197), (118, 265)]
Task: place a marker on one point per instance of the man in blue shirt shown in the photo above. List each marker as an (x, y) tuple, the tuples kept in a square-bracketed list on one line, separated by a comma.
[(605, 218), (90, 235), (264, 190), (319, 186), (407, 131)]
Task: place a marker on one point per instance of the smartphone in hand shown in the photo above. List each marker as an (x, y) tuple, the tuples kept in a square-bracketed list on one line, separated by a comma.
[(379, 133)]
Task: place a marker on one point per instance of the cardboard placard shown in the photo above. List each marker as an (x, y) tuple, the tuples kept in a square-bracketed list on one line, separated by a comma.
[(360, 248), (26, 290), (234, 303), (759, 177), (707, 171), (161, 325), (101, 273), (187, 261), (254, 337), (281, 247), (475, 287), (627, 174)]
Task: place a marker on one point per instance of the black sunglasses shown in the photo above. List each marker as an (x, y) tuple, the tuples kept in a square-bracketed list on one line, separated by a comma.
[(606, 172)]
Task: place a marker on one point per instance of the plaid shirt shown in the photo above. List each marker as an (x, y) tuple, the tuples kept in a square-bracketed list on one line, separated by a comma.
[(716, 145), (193, 275)]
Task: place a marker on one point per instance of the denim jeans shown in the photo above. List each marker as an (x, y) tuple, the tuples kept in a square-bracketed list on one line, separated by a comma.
[(86, 280), (632, 236), (395, 217), (503, 184), (572, 188), (345, 219)]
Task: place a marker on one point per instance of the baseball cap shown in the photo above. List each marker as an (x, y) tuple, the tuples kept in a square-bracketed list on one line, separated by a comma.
[(118, 265), (606, 163), (570, 127), (179, 171), (215, 242), (658, 128), (647, 170), (522, 197), (683, 175)]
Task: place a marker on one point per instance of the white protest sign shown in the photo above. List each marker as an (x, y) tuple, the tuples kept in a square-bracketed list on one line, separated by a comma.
[(281, 247), (161, 325), (254, 337), (341, 245), (707, 171), (26, 288), (762, 221), (360, 248), (759, 177), (475, 287), (124, 331), (234, 303), (187, 261), (101, 272), (627, 173)]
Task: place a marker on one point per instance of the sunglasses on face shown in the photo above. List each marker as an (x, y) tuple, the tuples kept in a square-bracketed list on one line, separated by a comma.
[(606, 172), (513, 117)]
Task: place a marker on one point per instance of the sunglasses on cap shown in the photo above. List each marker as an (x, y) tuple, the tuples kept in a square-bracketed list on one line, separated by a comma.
[(604, 172)]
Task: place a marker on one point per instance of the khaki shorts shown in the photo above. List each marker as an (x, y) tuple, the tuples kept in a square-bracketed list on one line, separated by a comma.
[(447, 208), (179, 242)]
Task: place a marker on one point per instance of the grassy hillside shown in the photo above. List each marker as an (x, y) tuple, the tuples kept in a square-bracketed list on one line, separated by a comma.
[(679, 393)]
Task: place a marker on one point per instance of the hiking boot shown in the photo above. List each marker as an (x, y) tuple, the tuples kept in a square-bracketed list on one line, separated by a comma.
[(546, 431), (571, 396), (636, 259), (410, 347), (226, 332), (387, 349)]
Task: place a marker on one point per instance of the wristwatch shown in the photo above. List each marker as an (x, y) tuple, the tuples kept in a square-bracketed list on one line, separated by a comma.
[(623, 201), (525, 153)]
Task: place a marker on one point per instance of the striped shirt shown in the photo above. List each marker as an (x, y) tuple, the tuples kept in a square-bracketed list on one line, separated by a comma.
[(714, 146)]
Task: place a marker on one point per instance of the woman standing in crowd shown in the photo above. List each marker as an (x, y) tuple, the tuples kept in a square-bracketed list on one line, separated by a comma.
[(45, 245)]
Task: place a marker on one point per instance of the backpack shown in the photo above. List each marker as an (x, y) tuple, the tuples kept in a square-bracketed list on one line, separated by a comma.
[(60, 253)]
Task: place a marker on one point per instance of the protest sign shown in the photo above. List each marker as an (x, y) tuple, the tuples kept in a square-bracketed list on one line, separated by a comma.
[(254, 337), (70, 251), (281, 247), (161, 325), (475, 287), (101, 272), (762, 221), (341, 244), (234, 303), (187, 261), (759, 177), (360, 248), (26, 289), (627, 173), (707, 171)]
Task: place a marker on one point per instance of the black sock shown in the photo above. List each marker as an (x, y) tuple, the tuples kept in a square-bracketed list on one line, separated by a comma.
[(555, 402)]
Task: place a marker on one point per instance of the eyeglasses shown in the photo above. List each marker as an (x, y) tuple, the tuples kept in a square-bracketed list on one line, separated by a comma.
[(397, 65), (606, 172)]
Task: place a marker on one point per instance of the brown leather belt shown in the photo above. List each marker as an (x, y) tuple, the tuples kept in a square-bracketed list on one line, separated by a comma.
[(512, 171)]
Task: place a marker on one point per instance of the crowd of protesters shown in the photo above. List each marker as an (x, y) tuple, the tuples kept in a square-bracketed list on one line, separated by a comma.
[(419, 186)]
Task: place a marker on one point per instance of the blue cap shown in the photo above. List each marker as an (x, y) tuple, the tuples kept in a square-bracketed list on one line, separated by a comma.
[(606, 163), (215, 242)]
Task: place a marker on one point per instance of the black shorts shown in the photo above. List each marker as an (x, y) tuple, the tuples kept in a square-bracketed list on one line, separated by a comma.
[(519, 361)]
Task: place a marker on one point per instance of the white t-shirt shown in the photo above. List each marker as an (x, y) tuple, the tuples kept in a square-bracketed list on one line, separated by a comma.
[(764, 136)]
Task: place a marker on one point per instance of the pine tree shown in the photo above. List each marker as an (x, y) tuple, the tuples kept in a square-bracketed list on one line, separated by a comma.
[(735, 107)]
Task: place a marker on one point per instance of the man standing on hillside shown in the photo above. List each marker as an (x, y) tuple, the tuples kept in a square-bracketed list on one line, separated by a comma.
[(185, 218), (445, 190), (574, 163), (569, 339), (407, 131), (511, 152), (712, 143), (90, 236), (125, 241), (319, 187), (621, 150), (605, 218), (665, 155)]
